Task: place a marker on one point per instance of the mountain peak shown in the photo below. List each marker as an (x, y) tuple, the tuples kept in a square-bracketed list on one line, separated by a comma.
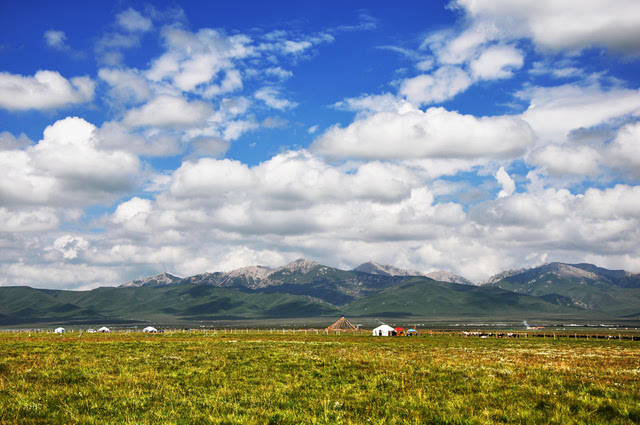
[(445, 276), (161, 279), (300, 266), (255, 272), (384, 270)]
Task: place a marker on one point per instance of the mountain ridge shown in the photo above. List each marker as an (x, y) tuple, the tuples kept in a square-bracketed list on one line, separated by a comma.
[(306, 288), (258, 276), (583, 285)]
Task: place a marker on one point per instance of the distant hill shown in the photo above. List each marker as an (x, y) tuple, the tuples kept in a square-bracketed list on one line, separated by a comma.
[(161, 279), (300, 277), (614, 292), (306, 289), (382, 270), (421, 298), (443, 276), (189, 302)]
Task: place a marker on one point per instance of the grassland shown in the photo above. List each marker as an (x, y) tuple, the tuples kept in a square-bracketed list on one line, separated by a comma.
[(265, 378)]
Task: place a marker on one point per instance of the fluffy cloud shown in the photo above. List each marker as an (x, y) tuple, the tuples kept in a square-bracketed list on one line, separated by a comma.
[(127, 86), (9, 142), (507, 183), (56, 39), (436, 133), (195, 60), (57, 275), (67, 167), (296, 204), (284, 43), (209, 146), (555, 111), (69, 152), (168, 111), (116, 136), (28, 220), (414, 188), (442, 85), (497, 62), (571, 24), (624, 151), (602, 222), (455, 49), (69, 246), (24, 183), (561, 160), (131, 20), (208, 177), (271, 97), (367, 104), (45, 90)]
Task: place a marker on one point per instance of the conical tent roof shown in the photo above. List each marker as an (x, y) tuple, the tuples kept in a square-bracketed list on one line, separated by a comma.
[(342, 325)]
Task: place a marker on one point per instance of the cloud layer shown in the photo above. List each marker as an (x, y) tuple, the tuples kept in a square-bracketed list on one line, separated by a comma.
[(505, 137)]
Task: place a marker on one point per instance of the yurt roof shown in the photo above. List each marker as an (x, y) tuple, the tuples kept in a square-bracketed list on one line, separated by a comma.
[(384, 328)]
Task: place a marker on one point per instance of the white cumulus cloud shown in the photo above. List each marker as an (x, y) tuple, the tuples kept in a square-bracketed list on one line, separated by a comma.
[(442, 85), (497, 62), (168, 111), (132, 20), (436, 133), (568, 24), (45, 90), (507, 183)]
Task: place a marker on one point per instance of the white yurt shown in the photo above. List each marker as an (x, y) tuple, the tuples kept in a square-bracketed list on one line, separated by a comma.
[(149, 329), (59, 331), (383, 330), (104, 329)]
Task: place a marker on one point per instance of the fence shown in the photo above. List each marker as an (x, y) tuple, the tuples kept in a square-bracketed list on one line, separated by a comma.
[(629, 335)]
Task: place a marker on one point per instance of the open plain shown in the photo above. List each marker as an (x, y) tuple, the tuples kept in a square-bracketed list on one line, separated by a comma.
[(277, 378)]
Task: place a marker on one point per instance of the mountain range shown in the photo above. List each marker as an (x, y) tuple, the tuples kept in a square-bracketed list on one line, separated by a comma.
[(306, 289)]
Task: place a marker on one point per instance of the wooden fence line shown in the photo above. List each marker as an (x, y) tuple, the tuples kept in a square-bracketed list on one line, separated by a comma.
[(421, 333)]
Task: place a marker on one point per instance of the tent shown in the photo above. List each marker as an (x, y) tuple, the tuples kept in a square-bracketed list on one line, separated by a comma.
[(412, 332), (59, 331), (399, 331), (342, 325), (383, 330), (149, 329), (104, 329)]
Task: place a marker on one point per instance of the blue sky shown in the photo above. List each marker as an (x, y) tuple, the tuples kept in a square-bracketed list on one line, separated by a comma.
[(469, 136)]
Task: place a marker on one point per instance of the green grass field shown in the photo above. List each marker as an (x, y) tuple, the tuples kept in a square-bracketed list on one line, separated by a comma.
[(268, 378)]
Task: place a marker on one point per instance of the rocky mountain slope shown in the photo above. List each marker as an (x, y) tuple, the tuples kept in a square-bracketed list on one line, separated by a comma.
[(383, 270), (305, 288), (161, 279), (586, 286), (444, 276)]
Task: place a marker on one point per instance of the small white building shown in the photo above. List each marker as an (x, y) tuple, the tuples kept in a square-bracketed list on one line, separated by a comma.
[(383, 330), (149, 329), (59, 331), (91, 331), (104, 330)]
